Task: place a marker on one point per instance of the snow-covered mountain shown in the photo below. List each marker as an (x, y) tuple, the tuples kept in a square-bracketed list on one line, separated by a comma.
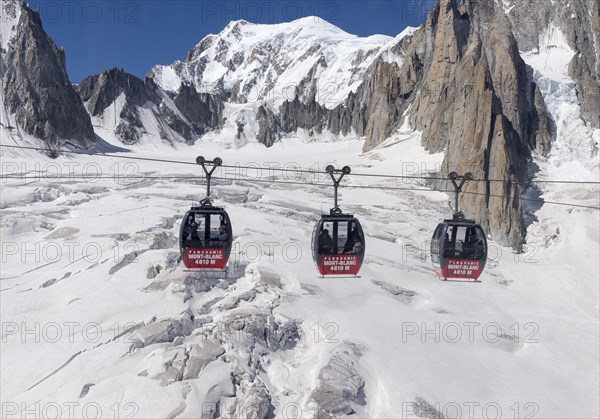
[(574, 24), (308, 58), (262, 83)]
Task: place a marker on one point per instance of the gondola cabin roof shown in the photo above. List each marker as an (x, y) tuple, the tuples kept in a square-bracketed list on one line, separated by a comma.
[(461, 222), (339, 217), (207, 209)]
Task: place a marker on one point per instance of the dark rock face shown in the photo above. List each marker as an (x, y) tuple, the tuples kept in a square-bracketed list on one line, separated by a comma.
[(100, 91), (269, 128), (472, 96), (203, 110), (188, 113), (313, 117), (36, 88), (386, 94), (296, 114), (352, 114), (130, 126), (579, 21), (169, 118), (316, 118)]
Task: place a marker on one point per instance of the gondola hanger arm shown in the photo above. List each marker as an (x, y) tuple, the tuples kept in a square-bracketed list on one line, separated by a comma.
[(454, 177), (216, 162), (336, 183)]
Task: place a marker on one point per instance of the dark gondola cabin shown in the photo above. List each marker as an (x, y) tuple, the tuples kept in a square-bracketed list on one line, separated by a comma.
[(338, 245), (205, 235), (205, 238), (459, 249)]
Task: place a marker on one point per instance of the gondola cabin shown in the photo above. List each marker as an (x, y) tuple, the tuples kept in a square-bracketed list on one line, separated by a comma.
[(338, 245), (205, 238), (459, 249)]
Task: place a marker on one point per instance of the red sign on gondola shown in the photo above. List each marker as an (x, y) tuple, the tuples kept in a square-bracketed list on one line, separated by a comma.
[(339, 265), (462, 268), (205, 258)]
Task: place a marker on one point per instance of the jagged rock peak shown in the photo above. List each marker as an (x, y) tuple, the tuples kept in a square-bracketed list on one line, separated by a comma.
[(465, 86), (37, 94), (100, 91), (131, 108)]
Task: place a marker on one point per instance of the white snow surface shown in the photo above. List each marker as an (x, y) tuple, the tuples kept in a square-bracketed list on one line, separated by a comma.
[(574, 155), (553, 56), (523, 340), (507, 5)]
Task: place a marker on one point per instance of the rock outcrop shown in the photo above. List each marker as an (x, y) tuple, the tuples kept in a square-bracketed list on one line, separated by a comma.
[(203, 110), (535, 25), (269, 128), (36, 92), (100, 91), (143, 108), (472, 96)]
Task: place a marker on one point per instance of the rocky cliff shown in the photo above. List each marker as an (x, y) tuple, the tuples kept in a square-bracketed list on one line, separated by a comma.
[(536, 25), (131, 107), (37, 96), (465, 86)]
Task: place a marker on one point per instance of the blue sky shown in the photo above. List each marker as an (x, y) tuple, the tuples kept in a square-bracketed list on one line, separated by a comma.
[(137, 34)]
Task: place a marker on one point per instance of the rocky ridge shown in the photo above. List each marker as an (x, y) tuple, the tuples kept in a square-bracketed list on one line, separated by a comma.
[(579, 22), (465, 86), (37, 96), (132, 107)]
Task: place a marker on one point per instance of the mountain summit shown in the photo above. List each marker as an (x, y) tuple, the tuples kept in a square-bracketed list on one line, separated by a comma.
[(308, 58)]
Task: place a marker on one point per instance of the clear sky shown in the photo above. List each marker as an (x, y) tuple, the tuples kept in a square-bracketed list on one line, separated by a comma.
[(137, 34)]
